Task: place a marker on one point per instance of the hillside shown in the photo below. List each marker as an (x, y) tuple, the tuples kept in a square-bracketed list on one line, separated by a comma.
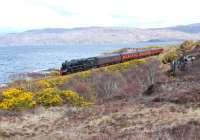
[(137, 100), (99, 35), (193, 28)]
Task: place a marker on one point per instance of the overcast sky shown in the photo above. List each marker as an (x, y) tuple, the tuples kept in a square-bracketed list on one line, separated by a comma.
[(31, 14)]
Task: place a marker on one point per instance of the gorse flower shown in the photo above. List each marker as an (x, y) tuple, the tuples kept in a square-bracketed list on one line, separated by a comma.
[(124, 65), (17, 99), (52, 83), (44, 84), (84, 74), (49, 97)]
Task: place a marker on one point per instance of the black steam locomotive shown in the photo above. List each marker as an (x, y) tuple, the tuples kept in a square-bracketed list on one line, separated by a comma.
[(95, 62)]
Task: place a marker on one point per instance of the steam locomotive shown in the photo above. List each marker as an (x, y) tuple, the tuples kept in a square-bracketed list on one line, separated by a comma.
[(77, 65)]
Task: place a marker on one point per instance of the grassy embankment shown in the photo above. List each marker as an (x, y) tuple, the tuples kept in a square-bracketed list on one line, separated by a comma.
[(82, 89)]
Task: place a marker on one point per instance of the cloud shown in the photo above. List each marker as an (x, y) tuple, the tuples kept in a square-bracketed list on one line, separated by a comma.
[(27, 14)]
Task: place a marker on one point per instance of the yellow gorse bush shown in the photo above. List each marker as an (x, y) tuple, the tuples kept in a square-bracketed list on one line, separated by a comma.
[(17, 99), (58, 81), (83, 74), (75, 99), (49, 97), (124, 65), (49, 83), (43, 84)]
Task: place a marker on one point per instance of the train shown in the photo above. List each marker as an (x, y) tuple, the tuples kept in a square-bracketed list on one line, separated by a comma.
[(83, 64)]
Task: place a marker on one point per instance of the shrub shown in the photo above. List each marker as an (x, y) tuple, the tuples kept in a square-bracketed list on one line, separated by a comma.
[(187, 45), (107, 84), (83, 74), (43, 84), (50, 83), (17, 99), (83, 87), (133, 88), (49, 97), (197, 43), (169, 56), (75, 99), (124, 65)]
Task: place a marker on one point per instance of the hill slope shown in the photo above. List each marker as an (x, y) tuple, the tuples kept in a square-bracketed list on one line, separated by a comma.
[(192, 28), (170, 112), (100, 35), (134, 100)]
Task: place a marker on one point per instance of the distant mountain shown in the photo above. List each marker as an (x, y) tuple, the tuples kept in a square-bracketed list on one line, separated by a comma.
[(60, 36), (192, 28)]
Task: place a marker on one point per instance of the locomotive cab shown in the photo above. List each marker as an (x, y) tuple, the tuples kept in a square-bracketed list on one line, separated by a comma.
[(63, 69)]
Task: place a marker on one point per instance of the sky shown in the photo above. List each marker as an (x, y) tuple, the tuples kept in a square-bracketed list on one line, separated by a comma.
[(18, 15)]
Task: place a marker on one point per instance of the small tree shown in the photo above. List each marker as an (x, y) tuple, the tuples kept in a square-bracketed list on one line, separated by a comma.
[(150, 74), (186, 46), (169, 56)]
